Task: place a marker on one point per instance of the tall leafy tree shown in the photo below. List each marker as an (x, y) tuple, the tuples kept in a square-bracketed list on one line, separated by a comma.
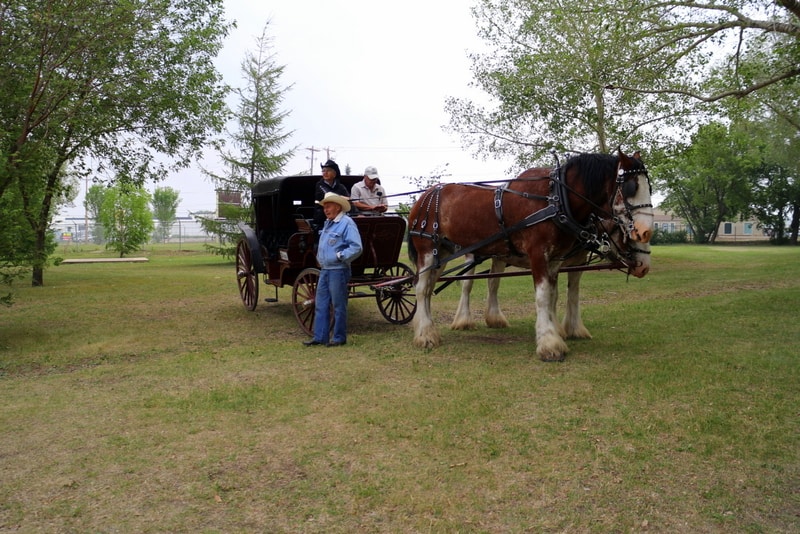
[(572, 75), (127, 87), (711, 40), (710, 180), (773, 115), (257, 149), (547, 74), (126, 218), (93, 202), (165, 206), (776, 192)]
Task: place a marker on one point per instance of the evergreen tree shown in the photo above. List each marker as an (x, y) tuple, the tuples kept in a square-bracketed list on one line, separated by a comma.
[(257, 142)]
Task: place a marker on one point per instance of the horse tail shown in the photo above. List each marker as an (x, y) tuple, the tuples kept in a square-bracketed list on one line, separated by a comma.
[(412, 250), (412, 220)]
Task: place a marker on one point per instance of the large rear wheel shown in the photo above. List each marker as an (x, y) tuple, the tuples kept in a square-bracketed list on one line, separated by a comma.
[(397, 302), (246, 276)]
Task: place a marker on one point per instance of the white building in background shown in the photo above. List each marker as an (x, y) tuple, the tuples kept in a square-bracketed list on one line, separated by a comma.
[(729, 231)]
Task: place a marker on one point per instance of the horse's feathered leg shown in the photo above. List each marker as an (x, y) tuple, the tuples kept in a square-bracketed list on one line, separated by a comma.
[(573, 324), (426, 335), (494, 316), (463, 320), (550, 346)]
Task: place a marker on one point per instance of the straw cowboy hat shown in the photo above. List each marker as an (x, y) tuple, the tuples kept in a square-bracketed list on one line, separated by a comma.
[(337, 199)]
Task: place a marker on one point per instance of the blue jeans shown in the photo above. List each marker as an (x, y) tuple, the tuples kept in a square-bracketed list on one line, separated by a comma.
[(331, 289)]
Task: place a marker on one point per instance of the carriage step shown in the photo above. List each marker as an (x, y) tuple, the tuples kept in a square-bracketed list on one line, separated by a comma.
[(270, 299)]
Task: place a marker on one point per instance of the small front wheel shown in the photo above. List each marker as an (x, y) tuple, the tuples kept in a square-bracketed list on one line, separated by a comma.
[(397, 302), (304, 292)]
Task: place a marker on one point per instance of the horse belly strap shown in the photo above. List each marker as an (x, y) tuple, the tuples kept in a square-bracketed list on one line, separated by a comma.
[(498, 210)]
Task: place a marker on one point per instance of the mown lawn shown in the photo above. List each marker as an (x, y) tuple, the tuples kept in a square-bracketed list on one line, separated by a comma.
[(145, 398)]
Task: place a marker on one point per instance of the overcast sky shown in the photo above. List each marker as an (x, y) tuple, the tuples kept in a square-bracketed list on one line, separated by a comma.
[(368, 82)]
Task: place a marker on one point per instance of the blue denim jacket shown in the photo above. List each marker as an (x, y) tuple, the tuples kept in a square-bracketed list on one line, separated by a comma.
[(339, 243)]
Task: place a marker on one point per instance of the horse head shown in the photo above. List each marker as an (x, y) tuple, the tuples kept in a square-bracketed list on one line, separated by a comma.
[(635, 256), (631, 203)]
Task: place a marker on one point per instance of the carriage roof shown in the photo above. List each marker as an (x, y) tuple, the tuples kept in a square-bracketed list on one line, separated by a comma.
[(277, 202), (297, 186)]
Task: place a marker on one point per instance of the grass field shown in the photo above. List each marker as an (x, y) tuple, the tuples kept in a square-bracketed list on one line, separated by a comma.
[(145, 398)]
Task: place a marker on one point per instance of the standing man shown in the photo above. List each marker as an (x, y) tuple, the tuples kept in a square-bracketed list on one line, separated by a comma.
[(368, 195), (339, 245), (330, 183)]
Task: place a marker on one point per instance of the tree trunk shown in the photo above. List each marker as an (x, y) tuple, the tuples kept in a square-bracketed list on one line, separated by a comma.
[(40, 257)]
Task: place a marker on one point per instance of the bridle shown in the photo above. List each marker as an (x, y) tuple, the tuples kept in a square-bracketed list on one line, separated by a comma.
[(626, 188)]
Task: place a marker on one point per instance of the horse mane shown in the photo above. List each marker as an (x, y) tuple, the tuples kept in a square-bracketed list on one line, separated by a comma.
[(595, 169)]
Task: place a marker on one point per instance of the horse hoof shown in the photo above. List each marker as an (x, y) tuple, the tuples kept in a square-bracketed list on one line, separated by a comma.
[(426, 343), (553, 358)]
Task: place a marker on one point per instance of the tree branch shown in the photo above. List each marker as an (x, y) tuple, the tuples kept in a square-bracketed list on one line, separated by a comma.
[(736, 93)]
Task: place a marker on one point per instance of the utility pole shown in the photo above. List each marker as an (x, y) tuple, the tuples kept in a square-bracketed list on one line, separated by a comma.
[(312, 150)]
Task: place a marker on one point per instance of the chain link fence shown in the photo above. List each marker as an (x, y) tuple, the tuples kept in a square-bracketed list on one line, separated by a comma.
[(81, 230)]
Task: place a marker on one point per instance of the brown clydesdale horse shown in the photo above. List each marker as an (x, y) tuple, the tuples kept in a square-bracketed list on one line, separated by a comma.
[(536, 221)]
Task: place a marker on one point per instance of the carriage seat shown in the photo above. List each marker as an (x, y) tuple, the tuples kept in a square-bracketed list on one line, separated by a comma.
[(273, 240), (303, 224)]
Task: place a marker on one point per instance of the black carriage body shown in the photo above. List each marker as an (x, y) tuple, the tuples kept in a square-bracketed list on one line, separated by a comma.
[(284, 208)]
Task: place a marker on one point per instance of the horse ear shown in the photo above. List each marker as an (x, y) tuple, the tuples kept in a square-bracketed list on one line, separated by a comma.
[(637, 155)]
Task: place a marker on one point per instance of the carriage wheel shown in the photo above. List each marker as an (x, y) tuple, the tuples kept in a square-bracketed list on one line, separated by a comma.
[(246, 275), (303, 293), (397, 302)]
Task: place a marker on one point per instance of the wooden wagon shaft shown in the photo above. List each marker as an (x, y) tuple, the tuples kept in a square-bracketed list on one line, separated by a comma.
[(486, 274)]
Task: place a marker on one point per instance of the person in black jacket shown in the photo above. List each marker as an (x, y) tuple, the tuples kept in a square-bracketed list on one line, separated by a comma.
[(330, 183)]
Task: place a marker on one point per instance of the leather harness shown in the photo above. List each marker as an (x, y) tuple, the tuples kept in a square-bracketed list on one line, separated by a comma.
[(557, 209)]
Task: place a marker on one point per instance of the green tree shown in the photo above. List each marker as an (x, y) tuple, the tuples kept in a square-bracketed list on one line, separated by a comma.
[(92, 204), (257, 142), (15, 242), (710, 180), (546, 70), (165, 206), (691, 34), (128, 88), (773, 114), (776, 195), (572, 75), (126, 218)]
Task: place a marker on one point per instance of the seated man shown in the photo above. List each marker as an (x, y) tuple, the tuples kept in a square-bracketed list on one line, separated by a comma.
[(330, 183), (368, 194)]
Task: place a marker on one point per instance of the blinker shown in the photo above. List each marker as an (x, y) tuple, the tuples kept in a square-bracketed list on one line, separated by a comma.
[(629, 188)]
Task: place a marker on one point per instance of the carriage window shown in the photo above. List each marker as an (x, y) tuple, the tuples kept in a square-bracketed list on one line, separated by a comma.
[(748, 228), (727, 228)]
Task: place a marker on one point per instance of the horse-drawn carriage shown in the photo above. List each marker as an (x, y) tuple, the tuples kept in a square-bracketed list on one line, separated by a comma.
[(281, 249), (546, 221)]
